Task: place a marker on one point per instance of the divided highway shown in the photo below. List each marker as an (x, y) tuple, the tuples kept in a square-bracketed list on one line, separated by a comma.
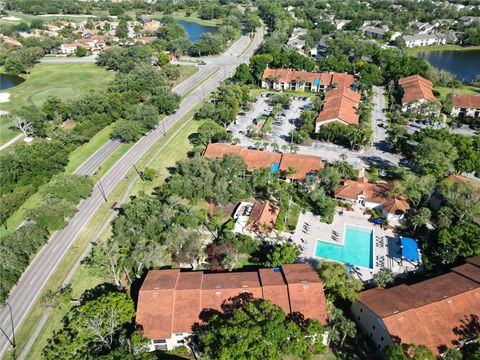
[(25, 293)]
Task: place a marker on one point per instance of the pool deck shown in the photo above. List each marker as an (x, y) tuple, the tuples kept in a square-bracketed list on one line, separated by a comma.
[(386, 250)]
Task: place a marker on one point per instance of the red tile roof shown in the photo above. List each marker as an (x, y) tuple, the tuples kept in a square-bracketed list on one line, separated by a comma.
[(171, 301), (325, 79), (428, 312), (416, 88), (374, 193), (263, 216), (255, 159), (466, 101), (340, 105)]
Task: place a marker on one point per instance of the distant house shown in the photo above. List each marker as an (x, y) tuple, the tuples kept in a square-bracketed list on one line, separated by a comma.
[(373, 196), (469, 20), (320, 49), (374, 31), (68, 49), (296, 40), (152, 26), (424, 40), (10, 41), (465, 105), (289, 166), (339, 24), (259, 216), (285, 79), (417, 91), (171, 301), (424, 28), (426, 313), (89, 33), (340, 105)]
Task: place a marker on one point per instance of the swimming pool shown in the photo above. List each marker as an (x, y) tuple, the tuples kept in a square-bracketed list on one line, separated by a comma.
[(357, 248)]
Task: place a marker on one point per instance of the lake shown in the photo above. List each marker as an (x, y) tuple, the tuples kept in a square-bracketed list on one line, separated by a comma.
[(464, 65), (195, 30), (8, 81)]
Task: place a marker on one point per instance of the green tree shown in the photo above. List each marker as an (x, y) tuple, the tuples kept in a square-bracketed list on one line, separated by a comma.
[(258, 63), (408, 351), (122, 29), (52, 213), (242, 74), (434, 157), (340, 328), (461, 240), (72, 188), (210, 132), (421, 217), (127, 131), (81, 51), (149, 174), (95, 328), (338, 283), (280, 254), (384, 277), (236, 334)]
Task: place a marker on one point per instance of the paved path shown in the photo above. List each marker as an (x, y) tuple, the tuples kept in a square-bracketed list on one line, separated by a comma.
[(68, 59), (11, 141), (25, 293)]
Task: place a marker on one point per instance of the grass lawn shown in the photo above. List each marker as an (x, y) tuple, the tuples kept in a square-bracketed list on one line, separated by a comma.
[(186, 71), (441, 47), (63, 80), (465, 89), (293, 214), (30, 17)]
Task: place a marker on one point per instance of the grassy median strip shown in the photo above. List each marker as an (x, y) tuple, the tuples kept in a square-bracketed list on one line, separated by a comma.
[(176, 146)]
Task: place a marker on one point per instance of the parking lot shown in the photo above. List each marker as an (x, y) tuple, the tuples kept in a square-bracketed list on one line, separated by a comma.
[(282, 124)]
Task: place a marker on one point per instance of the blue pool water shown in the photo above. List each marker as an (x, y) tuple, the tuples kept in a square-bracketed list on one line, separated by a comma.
[(356, 250)]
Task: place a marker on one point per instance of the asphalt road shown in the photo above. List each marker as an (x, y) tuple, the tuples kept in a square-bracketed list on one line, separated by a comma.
[(23, 296)]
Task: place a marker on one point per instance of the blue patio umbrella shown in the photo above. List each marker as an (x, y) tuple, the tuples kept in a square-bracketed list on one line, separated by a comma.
[(409, 249)]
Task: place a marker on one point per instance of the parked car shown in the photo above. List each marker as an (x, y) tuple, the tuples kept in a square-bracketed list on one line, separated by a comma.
[(202, 63)]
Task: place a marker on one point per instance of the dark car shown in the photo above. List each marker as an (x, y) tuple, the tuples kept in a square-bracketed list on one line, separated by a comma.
[(202, 63)]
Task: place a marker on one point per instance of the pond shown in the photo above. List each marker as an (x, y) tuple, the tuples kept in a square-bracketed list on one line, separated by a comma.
[(464, 65), (195, 30), (8, 81)]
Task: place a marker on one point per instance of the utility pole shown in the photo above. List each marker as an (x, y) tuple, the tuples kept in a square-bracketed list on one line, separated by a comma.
[(12, 340), (138, 172)]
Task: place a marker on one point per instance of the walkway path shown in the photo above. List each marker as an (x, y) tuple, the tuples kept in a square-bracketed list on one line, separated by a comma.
[(11, 141)]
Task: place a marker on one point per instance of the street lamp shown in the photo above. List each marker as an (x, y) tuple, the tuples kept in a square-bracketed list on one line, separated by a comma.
[(100, 186)]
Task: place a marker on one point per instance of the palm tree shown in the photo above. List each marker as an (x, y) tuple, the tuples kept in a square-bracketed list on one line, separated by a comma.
[(383, 277), (265, 145), (275, 146), (294, 148), (285, 148), (421, 217)]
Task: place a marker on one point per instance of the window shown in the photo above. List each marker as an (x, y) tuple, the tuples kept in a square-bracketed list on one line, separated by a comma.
[(159, 341), (361, 310), (371, 335), (379, 346), (373, 327), (180, 341), (178, 334), (382, 338), (358, 318)]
